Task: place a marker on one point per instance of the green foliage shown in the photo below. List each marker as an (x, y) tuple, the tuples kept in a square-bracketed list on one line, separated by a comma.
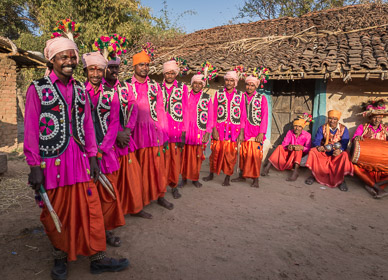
[(269, 9), (29, 23)]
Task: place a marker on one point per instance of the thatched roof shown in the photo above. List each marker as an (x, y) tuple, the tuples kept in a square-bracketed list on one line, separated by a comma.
[(23, 59), (337, 43)]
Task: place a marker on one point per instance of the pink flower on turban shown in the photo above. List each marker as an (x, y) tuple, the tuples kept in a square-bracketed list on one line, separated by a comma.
[(254, 80), (94, 58), (114, 62), (232, 75), (170, 66), (198, 78), (57, 45)]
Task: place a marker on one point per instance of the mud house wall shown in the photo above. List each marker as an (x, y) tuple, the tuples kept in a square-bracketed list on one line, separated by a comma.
[(8, 107), (347, 98)]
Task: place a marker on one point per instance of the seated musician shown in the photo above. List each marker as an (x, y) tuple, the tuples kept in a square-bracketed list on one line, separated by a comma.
[(375, 181), (328, 160), (289, 154)]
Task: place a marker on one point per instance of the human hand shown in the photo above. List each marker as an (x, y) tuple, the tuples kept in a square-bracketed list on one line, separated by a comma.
[(259, 138), (94, 169), (36, 177), (321, 149)]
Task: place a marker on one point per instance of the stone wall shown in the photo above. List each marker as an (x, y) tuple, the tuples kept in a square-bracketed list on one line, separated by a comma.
[(347, 98), (8, 106)]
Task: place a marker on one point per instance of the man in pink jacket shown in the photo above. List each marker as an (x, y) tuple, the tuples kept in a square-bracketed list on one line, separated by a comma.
[(60, 148), (105, 112), (200, 123), (228, 128), (150, 132), (175, 104)]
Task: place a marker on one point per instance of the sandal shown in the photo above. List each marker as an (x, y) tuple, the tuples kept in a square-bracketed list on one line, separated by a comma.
[(112, 240)]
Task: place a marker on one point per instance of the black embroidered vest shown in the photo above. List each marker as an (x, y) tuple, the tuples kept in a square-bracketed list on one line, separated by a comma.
[(203, 110), (102, 113), (123, 97), (173, 105), (54, 121), (152, 96), (254, 109), (222, 108)]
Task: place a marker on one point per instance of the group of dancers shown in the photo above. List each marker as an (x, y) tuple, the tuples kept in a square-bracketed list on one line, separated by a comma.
[(107, 148)]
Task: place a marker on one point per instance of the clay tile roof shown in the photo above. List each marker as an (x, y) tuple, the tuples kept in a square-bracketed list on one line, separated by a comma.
[(352, 38), (23, 59)]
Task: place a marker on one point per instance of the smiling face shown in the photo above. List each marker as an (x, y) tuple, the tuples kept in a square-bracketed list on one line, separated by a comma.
[(94, 74), (64, 63), (333, 122), (298, 129), (170, 76), (229, 84), (142, 69), (250, 88), (197, 86), (375, 120)]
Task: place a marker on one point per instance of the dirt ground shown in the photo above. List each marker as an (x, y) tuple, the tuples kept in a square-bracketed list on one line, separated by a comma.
[(282, 230)]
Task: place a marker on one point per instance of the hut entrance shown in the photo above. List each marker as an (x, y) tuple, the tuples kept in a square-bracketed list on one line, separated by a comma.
[(290, 99)]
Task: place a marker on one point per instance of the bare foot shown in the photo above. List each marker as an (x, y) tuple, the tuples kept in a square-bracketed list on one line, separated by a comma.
[(143, 214), (238, 179), (343, 187), (266, 169), (380, 192), (175, 193), (309, 181), (164, 203), (182, 183), (293, 177), (226, 181), (197, 184), (255, 183), (208, 178)]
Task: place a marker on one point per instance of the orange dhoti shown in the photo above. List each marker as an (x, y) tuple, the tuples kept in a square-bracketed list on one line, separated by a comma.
[(250, 159), (129, 184), (111, 208), (191, 162), (283, 159), (81, 217), (173, 159), (153, 172), (371, 177), (223, 157), (329, 170)]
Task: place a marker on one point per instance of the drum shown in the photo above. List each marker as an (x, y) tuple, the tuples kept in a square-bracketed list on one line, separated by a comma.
[(370, 154)]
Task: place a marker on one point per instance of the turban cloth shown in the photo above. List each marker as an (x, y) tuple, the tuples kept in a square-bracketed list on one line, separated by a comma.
[(198, 78), (254, 80), (170, 66), (116, 61), (334, 114), (232, 75), (57, 45), (300, 122), (94, 58), (331, 114), (141, 57)]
